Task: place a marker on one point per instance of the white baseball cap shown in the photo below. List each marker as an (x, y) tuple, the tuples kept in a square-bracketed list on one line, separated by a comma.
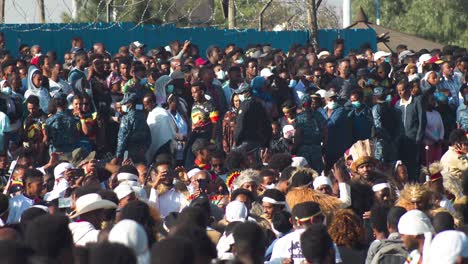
[(236, 211), (323, 54), (266, 72), (60, 169), (123, 190), (299, 162), (381, 54)]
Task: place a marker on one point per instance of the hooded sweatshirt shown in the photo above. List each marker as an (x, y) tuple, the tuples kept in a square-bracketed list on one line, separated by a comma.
[(41, 92)]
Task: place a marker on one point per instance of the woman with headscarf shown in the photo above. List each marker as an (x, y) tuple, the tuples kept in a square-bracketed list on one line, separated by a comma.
[(429, 81), (35, 88), (147, 216), (310, 133), (259, 87), (131, 234), (160, 89), (229, 122)]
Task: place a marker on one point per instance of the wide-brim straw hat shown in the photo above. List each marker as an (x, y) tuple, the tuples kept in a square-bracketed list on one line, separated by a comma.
[(91, 202)]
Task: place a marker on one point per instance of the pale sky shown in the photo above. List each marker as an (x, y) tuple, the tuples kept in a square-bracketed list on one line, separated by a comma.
[(25, 11)]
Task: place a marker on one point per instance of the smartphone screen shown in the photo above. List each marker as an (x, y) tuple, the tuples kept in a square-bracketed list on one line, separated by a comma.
[(64, 202), (78, 172), (203, 184)]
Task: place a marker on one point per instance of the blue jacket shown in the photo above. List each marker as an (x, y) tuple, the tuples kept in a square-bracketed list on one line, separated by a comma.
[(362, 123), (339, 132), (134, 135), (63, 132)]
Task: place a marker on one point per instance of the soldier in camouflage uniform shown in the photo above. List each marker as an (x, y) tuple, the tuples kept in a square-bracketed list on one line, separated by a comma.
[(134, 134), (62, 130)]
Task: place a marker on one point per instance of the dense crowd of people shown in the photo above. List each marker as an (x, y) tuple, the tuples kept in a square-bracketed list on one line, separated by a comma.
[(255, 155)]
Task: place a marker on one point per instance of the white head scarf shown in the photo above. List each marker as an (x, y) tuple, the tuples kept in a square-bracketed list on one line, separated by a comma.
[(447, 246), (322, 180), (60, 184), (160, 88), (132, 235), (415, 223), (424, 84)]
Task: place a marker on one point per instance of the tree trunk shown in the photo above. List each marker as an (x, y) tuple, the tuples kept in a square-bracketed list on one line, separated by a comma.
[(2, 11), (232, 14), (312, 7), (41, 11)]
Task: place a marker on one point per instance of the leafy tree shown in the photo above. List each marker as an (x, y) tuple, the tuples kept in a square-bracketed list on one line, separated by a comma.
[(443, 21)]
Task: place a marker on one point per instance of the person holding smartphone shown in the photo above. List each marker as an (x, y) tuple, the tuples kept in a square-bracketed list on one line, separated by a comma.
[(456, 162)]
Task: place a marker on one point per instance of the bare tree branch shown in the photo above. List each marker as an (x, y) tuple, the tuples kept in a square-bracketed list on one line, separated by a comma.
[(260, 20)]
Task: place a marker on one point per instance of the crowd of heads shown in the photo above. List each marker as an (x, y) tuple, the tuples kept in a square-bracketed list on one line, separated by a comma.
[(233, 155)]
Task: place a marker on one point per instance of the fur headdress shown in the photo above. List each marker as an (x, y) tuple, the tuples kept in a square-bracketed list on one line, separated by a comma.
[(361, 148), (452, 182), (246, 176), (328, 204), (413, 192), (434, 171), (361, 152)]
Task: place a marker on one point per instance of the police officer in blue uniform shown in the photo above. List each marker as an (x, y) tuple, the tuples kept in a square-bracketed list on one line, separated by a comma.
[(62, 130), (134, 134)]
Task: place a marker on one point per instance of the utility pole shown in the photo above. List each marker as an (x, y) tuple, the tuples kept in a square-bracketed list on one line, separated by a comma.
[(377, 12), (41, 11), (74, 9), (109, 10), (346, 13), (2, 11), (260, 19), (232, 14)]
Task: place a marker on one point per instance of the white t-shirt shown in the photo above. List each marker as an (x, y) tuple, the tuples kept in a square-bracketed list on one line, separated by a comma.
[(170, 201), (289, 246)]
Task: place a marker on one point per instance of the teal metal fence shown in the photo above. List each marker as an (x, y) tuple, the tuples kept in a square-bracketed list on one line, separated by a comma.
[(114, 35)]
